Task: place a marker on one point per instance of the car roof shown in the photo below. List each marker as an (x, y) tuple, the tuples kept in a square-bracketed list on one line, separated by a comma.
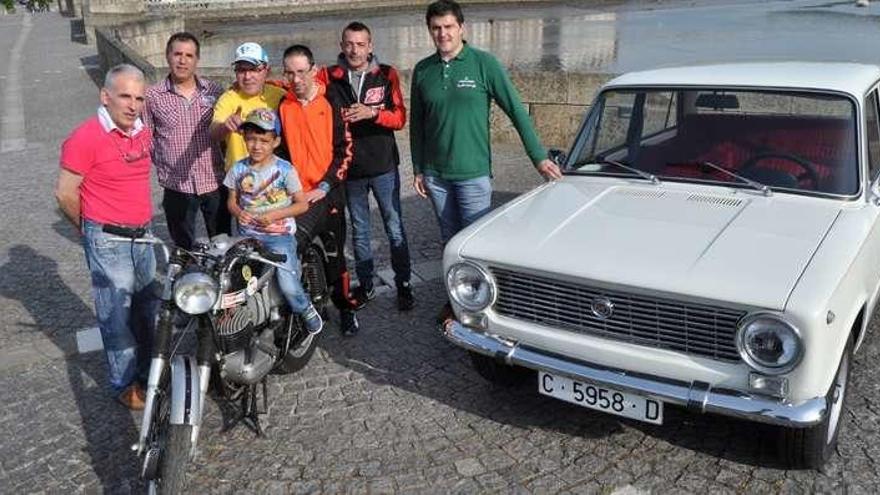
[(851, 78)]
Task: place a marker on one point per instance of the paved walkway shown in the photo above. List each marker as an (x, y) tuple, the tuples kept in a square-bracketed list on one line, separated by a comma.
[(396, 409)]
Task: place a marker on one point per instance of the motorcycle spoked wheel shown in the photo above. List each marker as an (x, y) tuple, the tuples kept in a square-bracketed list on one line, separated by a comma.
[(302, 344), (174, 444)]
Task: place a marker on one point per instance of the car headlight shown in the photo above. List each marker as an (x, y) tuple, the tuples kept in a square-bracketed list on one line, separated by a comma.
[(195, 293), (769, 344), (470, 286)]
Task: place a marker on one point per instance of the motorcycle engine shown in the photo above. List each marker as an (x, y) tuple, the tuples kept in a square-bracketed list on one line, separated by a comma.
[(249, 350), (245, 339)]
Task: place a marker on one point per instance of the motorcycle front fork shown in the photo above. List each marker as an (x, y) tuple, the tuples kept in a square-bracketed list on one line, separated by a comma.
[(160, 365)]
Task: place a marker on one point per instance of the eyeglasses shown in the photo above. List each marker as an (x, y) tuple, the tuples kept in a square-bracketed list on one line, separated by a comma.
[(242, 69), (290, 74), (133, 156)]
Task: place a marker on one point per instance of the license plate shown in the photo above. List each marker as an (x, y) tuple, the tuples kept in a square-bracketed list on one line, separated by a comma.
[(603, 399)]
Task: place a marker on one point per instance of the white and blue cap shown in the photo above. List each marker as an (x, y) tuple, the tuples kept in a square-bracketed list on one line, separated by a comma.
[(252, 53)]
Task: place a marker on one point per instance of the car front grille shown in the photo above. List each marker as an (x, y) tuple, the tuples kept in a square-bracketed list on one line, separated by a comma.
[(695, 329)]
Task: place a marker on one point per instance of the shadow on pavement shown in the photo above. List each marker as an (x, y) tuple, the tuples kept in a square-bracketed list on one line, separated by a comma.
[(64, 228), (58, 313)]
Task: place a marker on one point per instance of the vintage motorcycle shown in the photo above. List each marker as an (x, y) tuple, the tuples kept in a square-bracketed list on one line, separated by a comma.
[(225, 292)]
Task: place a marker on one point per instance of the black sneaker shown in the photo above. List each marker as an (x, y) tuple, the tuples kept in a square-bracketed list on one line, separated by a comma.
[(348, 323), (361, 294), (405, 300)]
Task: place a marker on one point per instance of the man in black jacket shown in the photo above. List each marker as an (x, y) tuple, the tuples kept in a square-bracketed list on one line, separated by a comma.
[(374, 109)]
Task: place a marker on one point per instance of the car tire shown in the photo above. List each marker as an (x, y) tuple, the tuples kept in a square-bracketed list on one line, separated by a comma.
[(810, 448), (498, 372)]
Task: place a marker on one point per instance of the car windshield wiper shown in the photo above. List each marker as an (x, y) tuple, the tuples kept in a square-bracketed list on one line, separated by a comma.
[(641, 173), (753, 183)]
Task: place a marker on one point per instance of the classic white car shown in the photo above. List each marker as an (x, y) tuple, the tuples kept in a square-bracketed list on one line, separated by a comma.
[(714, 244)]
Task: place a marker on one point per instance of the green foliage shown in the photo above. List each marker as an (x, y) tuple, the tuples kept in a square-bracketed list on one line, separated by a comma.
[(9, 5)]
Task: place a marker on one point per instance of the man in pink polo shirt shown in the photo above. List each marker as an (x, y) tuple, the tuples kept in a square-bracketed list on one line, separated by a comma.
[(105, 180)]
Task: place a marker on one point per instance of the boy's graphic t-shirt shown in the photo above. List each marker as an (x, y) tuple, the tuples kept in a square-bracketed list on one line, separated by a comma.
[(265, 189)]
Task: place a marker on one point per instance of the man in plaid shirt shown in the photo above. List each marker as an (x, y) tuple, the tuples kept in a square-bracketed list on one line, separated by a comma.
[(179, 111)]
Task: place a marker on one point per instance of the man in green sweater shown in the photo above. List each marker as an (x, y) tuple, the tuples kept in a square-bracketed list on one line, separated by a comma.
[(451, 93)]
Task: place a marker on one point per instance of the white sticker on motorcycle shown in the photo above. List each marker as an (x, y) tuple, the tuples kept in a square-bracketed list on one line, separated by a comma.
[(252, 286), (233, 299)]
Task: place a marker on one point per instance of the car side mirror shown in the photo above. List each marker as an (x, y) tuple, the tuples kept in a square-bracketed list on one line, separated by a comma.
[(557, 156)]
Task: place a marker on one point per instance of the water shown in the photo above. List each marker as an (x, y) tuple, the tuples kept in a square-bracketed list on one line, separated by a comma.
[(583, 37)]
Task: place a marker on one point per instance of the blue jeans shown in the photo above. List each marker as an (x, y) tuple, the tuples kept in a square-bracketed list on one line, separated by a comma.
[(123, 283), (386, 190), (458, 203), (288, 282)]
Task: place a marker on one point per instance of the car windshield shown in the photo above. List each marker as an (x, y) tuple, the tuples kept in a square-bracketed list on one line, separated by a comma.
[(796, 141)]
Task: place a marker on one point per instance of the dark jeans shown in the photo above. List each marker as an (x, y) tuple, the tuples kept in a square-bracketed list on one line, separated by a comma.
[(326, 219), (386, 190), (181, 209)]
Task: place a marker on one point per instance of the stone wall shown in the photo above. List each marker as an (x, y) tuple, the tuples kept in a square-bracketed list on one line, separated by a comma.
[(116, 6), (139, 43), (148, 37), (213, 9)]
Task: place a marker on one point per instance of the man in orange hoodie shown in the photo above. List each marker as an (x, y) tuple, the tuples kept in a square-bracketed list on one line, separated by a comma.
[(319, 145)]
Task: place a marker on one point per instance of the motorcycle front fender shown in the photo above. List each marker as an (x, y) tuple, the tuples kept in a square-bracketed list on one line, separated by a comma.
[(186, 401)]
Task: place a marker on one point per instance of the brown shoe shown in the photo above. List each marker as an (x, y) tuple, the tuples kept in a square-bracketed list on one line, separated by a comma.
[(446, 316), (132, 397)]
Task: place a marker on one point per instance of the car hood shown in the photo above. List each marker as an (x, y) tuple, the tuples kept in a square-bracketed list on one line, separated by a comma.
[(728, 245)]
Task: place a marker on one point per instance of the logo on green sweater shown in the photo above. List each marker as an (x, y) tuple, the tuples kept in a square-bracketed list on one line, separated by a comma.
[(466, 83)]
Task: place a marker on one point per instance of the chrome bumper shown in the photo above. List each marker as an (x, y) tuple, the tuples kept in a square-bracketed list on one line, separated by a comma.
[(695, 396)]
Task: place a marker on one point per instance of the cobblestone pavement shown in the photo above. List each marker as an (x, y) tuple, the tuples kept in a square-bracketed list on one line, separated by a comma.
[(395, 409)]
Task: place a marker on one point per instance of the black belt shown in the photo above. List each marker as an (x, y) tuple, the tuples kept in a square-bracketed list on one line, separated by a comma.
[(123, 231)]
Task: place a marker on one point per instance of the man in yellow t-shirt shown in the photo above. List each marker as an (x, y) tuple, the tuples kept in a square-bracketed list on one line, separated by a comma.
[(249, 93)]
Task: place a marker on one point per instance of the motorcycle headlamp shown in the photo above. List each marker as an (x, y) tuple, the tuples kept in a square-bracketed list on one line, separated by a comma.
[(769, 344), (195, 293), (470, 286)]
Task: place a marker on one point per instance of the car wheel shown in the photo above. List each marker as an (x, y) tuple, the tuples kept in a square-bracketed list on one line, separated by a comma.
[(498, 372), (812, 447)]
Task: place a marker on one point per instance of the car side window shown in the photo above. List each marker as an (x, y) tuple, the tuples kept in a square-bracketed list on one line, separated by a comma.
[(872, 126), (615, 120)]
